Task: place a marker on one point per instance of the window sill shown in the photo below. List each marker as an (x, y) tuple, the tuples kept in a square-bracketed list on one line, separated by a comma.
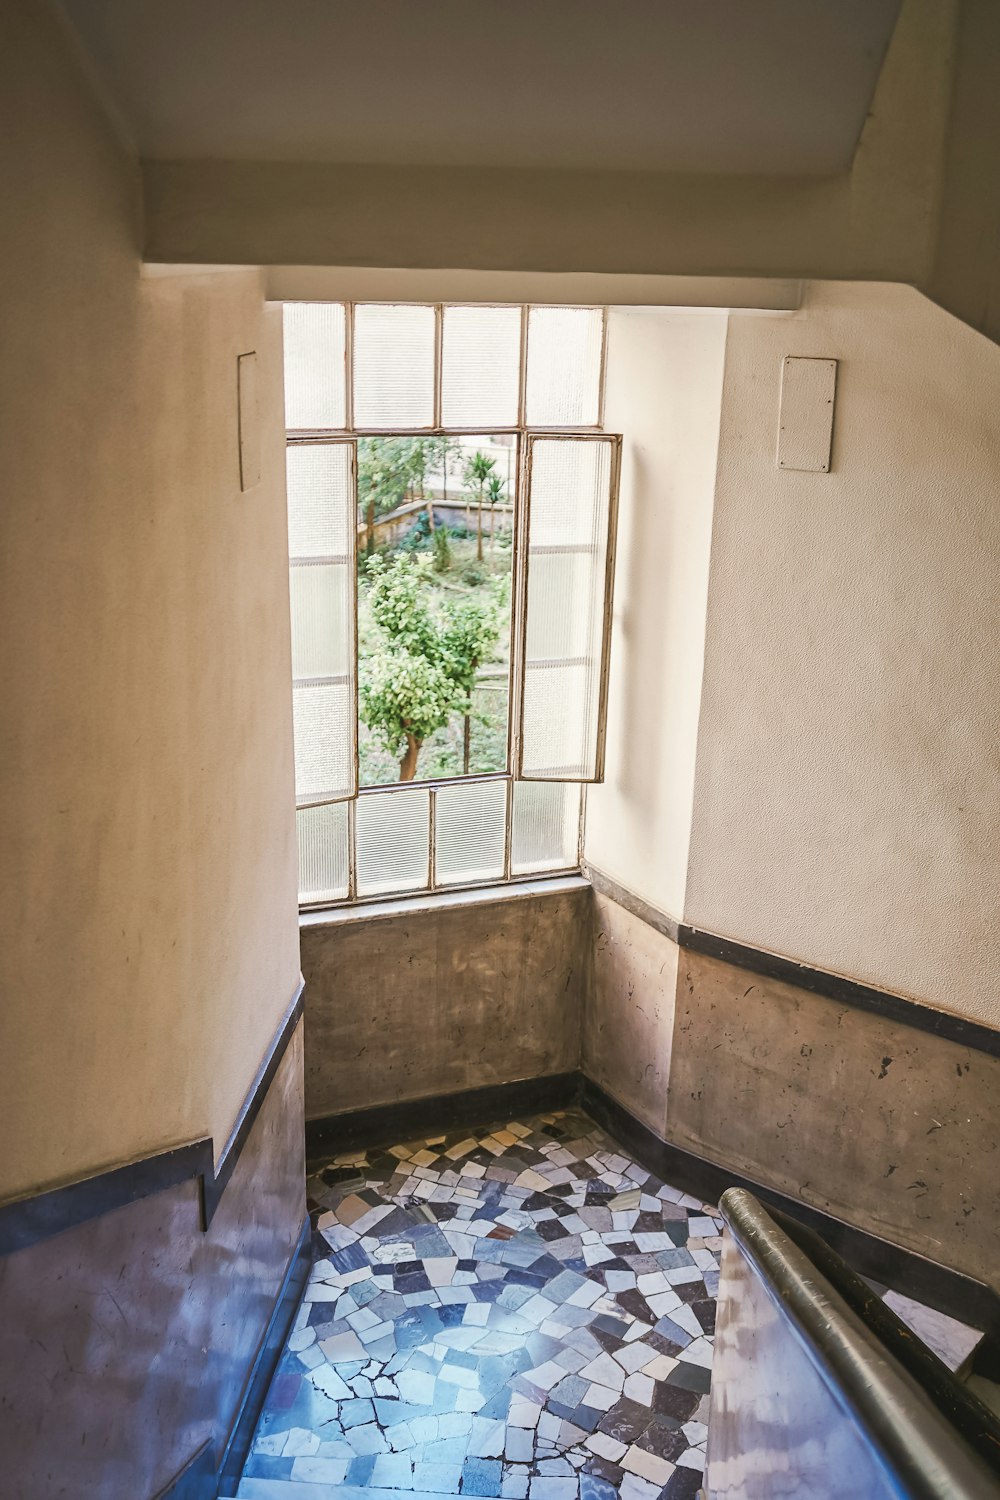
[(431, 901)]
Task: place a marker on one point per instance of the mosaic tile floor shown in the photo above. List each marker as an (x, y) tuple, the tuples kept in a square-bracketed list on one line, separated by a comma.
[(519, 1312)]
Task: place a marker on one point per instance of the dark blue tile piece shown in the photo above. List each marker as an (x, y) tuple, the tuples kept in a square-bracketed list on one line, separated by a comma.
[(594, 1488), (497, 1406), (587, 1418), (679, 1337), (451, 1314), (481, 1476), (263, 1466), (351, 1258), (359, 1470)]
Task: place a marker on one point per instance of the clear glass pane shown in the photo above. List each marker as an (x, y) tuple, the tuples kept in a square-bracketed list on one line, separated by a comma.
[(323, 720), (322, 603), (393, 366), (563, 385), (470, 832), (480, 366), (545, 830), (434, 606), (315, 366), (321, 507), (569, 507), (323, 852), (393, 842)]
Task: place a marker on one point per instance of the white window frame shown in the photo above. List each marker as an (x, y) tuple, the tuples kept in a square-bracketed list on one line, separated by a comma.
[(523, 434)]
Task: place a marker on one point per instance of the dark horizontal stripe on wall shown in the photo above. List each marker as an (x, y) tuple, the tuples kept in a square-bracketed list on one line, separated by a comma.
[(25, 1221), (893, 1007), (215, 1182), (389, 1123), (951, 1292)]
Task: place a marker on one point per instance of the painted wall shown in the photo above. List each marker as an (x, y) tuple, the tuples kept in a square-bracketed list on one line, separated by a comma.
[(847, 798), (441, 997), (664, 389), (147, 867), (889, 1128), (128, 1339)]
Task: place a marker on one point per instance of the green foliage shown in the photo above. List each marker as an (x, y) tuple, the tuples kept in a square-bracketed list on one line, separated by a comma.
[(385, 472), (478, 470), (495, 489), (394, 469), (423, 667), (442, 550), (418, 535)]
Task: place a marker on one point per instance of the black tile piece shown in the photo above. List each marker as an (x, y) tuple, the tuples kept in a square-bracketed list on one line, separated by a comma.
[(665, 1439), (551, 1229), (602, 1472), (607, 1324), (674, 1401), (690, 1377), (704, 1311), (626, 1420), (683, 1484), (632, 1301)]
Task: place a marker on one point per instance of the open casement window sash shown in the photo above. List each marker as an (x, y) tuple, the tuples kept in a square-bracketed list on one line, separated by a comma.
[(322, 551), (568, 523)]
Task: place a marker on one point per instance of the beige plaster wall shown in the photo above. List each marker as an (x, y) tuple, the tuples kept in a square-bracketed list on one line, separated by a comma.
[(664, 389), (147, 868), (847, 800)]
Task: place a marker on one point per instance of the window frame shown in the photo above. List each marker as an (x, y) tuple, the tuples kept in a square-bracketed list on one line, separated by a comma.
[(523, 434)]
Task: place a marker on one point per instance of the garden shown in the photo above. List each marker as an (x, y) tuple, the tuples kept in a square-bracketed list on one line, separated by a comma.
[(435, 548)]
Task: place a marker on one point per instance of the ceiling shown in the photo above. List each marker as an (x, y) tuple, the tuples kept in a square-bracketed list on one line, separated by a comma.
[(747, 86)]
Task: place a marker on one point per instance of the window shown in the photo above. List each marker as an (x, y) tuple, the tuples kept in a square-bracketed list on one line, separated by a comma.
[(451, 522)]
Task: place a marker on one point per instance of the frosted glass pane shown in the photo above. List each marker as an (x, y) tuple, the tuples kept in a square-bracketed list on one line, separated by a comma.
[(563, 385), (393, 842), (321, 505), (323, 724), (470, 832), (322, 602), (323, 852), (315, 368), (393, 366), (568, 522), (480, 366), (559, 622), (545, 827)]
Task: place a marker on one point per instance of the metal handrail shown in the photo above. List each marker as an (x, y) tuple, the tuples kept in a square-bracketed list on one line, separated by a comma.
[(923, 1455)]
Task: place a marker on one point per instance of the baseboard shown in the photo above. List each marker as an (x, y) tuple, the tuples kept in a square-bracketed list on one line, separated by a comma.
[(408, 1119), (952, 1292), (262, 1371), (196, 1481)]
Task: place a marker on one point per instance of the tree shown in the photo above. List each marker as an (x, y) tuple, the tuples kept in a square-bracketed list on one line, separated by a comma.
[(478, 472), (423, 668), (495, 495), (385, 473)]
